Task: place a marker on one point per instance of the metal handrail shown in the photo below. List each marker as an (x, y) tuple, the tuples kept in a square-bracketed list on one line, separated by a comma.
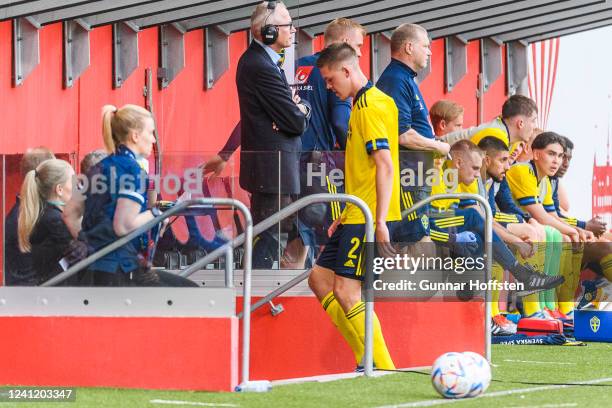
[(296, 280), (278, 291), (488, 241), (136, 233), (284, 213), (201, 202)]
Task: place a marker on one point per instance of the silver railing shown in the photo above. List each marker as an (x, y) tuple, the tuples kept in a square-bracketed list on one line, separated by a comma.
[(488, 241), (487, 238), (191, 204), (273, 220)]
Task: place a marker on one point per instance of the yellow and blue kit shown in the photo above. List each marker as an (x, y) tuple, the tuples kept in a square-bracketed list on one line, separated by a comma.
[(372, 127), (526, 189), (499, 197), (455, 221), (495, 128), (574, 222)]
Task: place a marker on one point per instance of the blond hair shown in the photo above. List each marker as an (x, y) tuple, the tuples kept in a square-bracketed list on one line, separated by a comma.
[(404, 33), (340, 28), (38, 186), (446, 110), (117, 124)]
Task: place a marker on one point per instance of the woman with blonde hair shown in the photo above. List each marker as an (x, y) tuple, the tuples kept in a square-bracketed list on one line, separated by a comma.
[(121, 206), (41, 229)]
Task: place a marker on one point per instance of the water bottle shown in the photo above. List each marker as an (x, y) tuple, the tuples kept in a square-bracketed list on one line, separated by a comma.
[(254, 386)]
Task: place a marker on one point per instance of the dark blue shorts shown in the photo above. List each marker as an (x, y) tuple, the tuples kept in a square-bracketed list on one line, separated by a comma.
[(411, 230), (343, 253)]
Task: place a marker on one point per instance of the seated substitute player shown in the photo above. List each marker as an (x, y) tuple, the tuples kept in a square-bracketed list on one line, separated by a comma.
[(561, 200), (515, 126), (372, 174), (467, 161), (531, 189), (546, 255)]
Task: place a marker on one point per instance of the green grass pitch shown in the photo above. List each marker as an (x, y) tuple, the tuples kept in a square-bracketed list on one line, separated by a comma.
[(549, 368)]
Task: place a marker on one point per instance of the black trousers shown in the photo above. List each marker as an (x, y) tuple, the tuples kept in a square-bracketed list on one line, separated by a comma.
[(267, 245)]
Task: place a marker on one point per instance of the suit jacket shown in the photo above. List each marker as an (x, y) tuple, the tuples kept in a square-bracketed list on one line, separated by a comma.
[(265, 99)]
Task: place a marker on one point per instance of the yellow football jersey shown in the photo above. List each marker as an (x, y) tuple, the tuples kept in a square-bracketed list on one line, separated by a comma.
[(373, 126), (495, 128), (442, 188), (526, 189)]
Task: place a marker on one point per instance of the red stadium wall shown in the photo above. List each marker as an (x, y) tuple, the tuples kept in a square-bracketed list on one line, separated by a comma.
[(191, 120), (189, 117), (465, 90), (203, 353), (194, 120)]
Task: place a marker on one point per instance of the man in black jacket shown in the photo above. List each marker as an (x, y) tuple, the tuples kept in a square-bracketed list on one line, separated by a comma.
[(272, 120)]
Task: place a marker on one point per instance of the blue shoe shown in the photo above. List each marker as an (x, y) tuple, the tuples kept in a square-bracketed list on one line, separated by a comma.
[(589, 293), (513, 317)]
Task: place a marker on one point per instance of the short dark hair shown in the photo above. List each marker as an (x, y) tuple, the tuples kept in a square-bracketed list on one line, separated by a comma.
[(518, 105), (492, 144), (567, 143), (336, 54), (91, 159), (545, 139)]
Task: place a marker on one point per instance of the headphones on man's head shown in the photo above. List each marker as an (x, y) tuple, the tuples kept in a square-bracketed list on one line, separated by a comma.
[(269, 32)]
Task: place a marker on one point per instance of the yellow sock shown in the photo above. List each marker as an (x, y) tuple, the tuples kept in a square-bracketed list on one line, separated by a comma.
[(334, 310), (531, 303), (606, 266), (565, 292), (498, 275), (382, 358), (577, 269)]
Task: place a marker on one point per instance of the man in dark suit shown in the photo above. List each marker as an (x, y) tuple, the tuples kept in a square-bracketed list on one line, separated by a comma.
[(272, 120)]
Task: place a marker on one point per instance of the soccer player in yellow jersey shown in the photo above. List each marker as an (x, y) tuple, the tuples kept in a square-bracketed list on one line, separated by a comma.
[(530, 185), (531, 188), (467, 161), (372, 174), (514, 127)]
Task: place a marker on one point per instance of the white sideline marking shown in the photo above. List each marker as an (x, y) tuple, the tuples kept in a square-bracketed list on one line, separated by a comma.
[(193, 403), (572, 404), (341, 376), (539, 362), (429, 403)]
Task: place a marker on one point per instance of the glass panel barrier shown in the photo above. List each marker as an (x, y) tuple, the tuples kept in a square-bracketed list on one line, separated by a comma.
[(266, 182)]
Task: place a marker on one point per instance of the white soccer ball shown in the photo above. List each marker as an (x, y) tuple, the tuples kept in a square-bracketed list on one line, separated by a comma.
[(482, 369), (460, 375)]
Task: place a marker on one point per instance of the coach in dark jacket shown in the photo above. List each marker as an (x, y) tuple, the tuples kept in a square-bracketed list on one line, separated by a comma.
[(272, 121)]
